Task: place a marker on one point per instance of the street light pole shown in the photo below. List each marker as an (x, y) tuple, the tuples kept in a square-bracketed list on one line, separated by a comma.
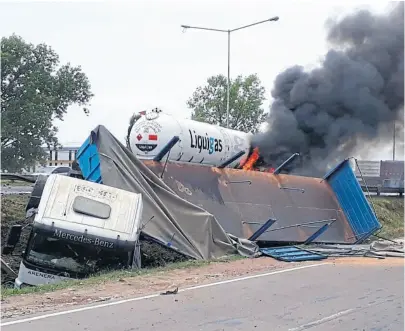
[(273, 19), (228, 85), (393, 143)]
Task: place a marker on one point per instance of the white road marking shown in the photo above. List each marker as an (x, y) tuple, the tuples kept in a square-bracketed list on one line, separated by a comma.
[(322, 320), (113, 303), (334, 316)]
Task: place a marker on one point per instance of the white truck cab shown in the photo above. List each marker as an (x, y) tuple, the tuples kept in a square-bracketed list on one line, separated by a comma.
[(80, 228)]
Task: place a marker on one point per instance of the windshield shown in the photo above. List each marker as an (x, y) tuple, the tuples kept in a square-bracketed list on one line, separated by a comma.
[(64, 255)]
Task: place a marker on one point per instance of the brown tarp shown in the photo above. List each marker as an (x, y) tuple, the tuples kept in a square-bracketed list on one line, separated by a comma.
[(176, 222)]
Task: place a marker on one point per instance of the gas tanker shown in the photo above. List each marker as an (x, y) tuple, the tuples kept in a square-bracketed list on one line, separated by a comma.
[(199, 143)]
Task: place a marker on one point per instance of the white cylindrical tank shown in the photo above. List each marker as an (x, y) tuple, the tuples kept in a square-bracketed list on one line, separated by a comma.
[(199, 142)]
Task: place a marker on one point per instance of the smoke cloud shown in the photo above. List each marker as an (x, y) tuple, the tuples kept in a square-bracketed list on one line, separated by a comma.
[(348, 103)]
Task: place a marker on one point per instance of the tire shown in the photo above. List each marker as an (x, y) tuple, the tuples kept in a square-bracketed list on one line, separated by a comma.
[(36, 194)]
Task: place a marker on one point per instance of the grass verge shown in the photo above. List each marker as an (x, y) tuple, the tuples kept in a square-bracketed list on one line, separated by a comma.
[(390, 212), (114, 275)]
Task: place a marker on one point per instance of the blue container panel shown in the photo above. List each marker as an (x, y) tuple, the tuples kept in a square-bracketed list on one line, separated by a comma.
[(352, 200), (292, 254), (89, 161)]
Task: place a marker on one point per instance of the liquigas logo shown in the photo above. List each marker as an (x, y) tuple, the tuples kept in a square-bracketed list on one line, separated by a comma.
[(209, 144)]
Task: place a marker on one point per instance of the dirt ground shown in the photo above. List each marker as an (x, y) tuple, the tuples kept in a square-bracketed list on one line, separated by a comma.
[(13, 212), (137, 286)]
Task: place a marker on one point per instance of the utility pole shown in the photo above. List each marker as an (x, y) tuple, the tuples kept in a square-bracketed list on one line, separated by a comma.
[(393, 143), (273, 19)]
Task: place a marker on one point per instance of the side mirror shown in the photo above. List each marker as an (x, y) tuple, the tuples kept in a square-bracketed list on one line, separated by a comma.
[(12, 240)]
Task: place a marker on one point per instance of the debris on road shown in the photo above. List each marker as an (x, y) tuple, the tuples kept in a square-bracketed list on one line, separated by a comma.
[(292, 254), (377, 249), (169, 292)]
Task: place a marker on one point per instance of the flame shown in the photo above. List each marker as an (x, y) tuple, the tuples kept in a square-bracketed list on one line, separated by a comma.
[(243, 161), (252, 159)]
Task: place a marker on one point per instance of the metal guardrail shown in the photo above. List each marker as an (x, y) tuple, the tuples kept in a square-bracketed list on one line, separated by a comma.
[(21, 177)]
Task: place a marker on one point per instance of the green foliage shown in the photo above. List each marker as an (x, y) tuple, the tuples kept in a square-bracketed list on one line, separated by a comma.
[(246, 97), (35, 91), (390, 212)]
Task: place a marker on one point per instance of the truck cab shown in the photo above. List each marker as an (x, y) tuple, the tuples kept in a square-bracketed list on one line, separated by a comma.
[(80, 228)]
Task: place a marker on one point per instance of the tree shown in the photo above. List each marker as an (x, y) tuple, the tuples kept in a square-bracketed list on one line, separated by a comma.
[(246, 97), (35, 92)]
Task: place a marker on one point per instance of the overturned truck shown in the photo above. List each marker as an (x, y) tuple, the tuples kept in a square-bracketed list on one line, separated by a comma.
[(263, 206), (206, 212)]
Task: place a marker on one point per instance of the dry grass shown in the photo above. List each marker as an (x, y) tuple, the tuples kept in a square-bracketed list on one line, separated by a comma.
[(390, 212)]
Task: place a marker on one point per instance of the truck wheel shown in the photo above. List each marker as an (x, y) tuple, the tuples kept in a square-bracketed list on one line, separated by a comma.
[(36, 194)]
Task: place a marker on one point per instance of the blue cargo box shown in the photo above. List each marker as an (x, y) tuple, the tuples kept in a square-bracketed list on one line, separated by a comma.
[(352, 200), (89, 161)]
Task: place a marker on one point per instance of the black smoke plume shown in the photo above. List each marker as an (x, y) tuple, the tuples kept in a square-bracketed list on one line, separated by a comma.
[(348, 103)]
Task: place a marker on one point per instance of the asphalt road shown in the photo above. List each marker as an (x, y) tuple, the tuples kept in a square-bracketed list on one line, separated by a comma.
[(326, 297)]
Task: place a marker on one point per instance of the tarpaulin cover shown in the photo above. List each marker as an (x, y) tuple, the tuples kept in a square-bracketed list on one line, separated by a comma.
[(381, 248), (176, 222)]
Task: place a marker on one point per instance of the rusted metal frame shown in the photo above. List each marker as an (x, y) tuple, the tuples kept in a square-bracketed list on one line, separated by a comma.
[(285, 163), (281, 166), (239, 182), (365, 236), (384, 238), (231, 159), (250, 223), (307, 224), (166, 149), (374, 232), (333, 170), (262, 229), (321, 230), (292, 189), (364, 181)]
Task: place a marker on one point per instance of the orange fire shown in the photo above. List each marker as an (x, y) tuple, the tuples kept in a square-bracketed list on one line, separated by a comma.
[(243, 161), (248, 165)]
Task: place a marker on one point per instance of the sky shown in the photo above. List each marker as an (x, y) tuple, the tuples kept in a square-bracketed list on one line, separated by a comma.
[(137, 57)]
